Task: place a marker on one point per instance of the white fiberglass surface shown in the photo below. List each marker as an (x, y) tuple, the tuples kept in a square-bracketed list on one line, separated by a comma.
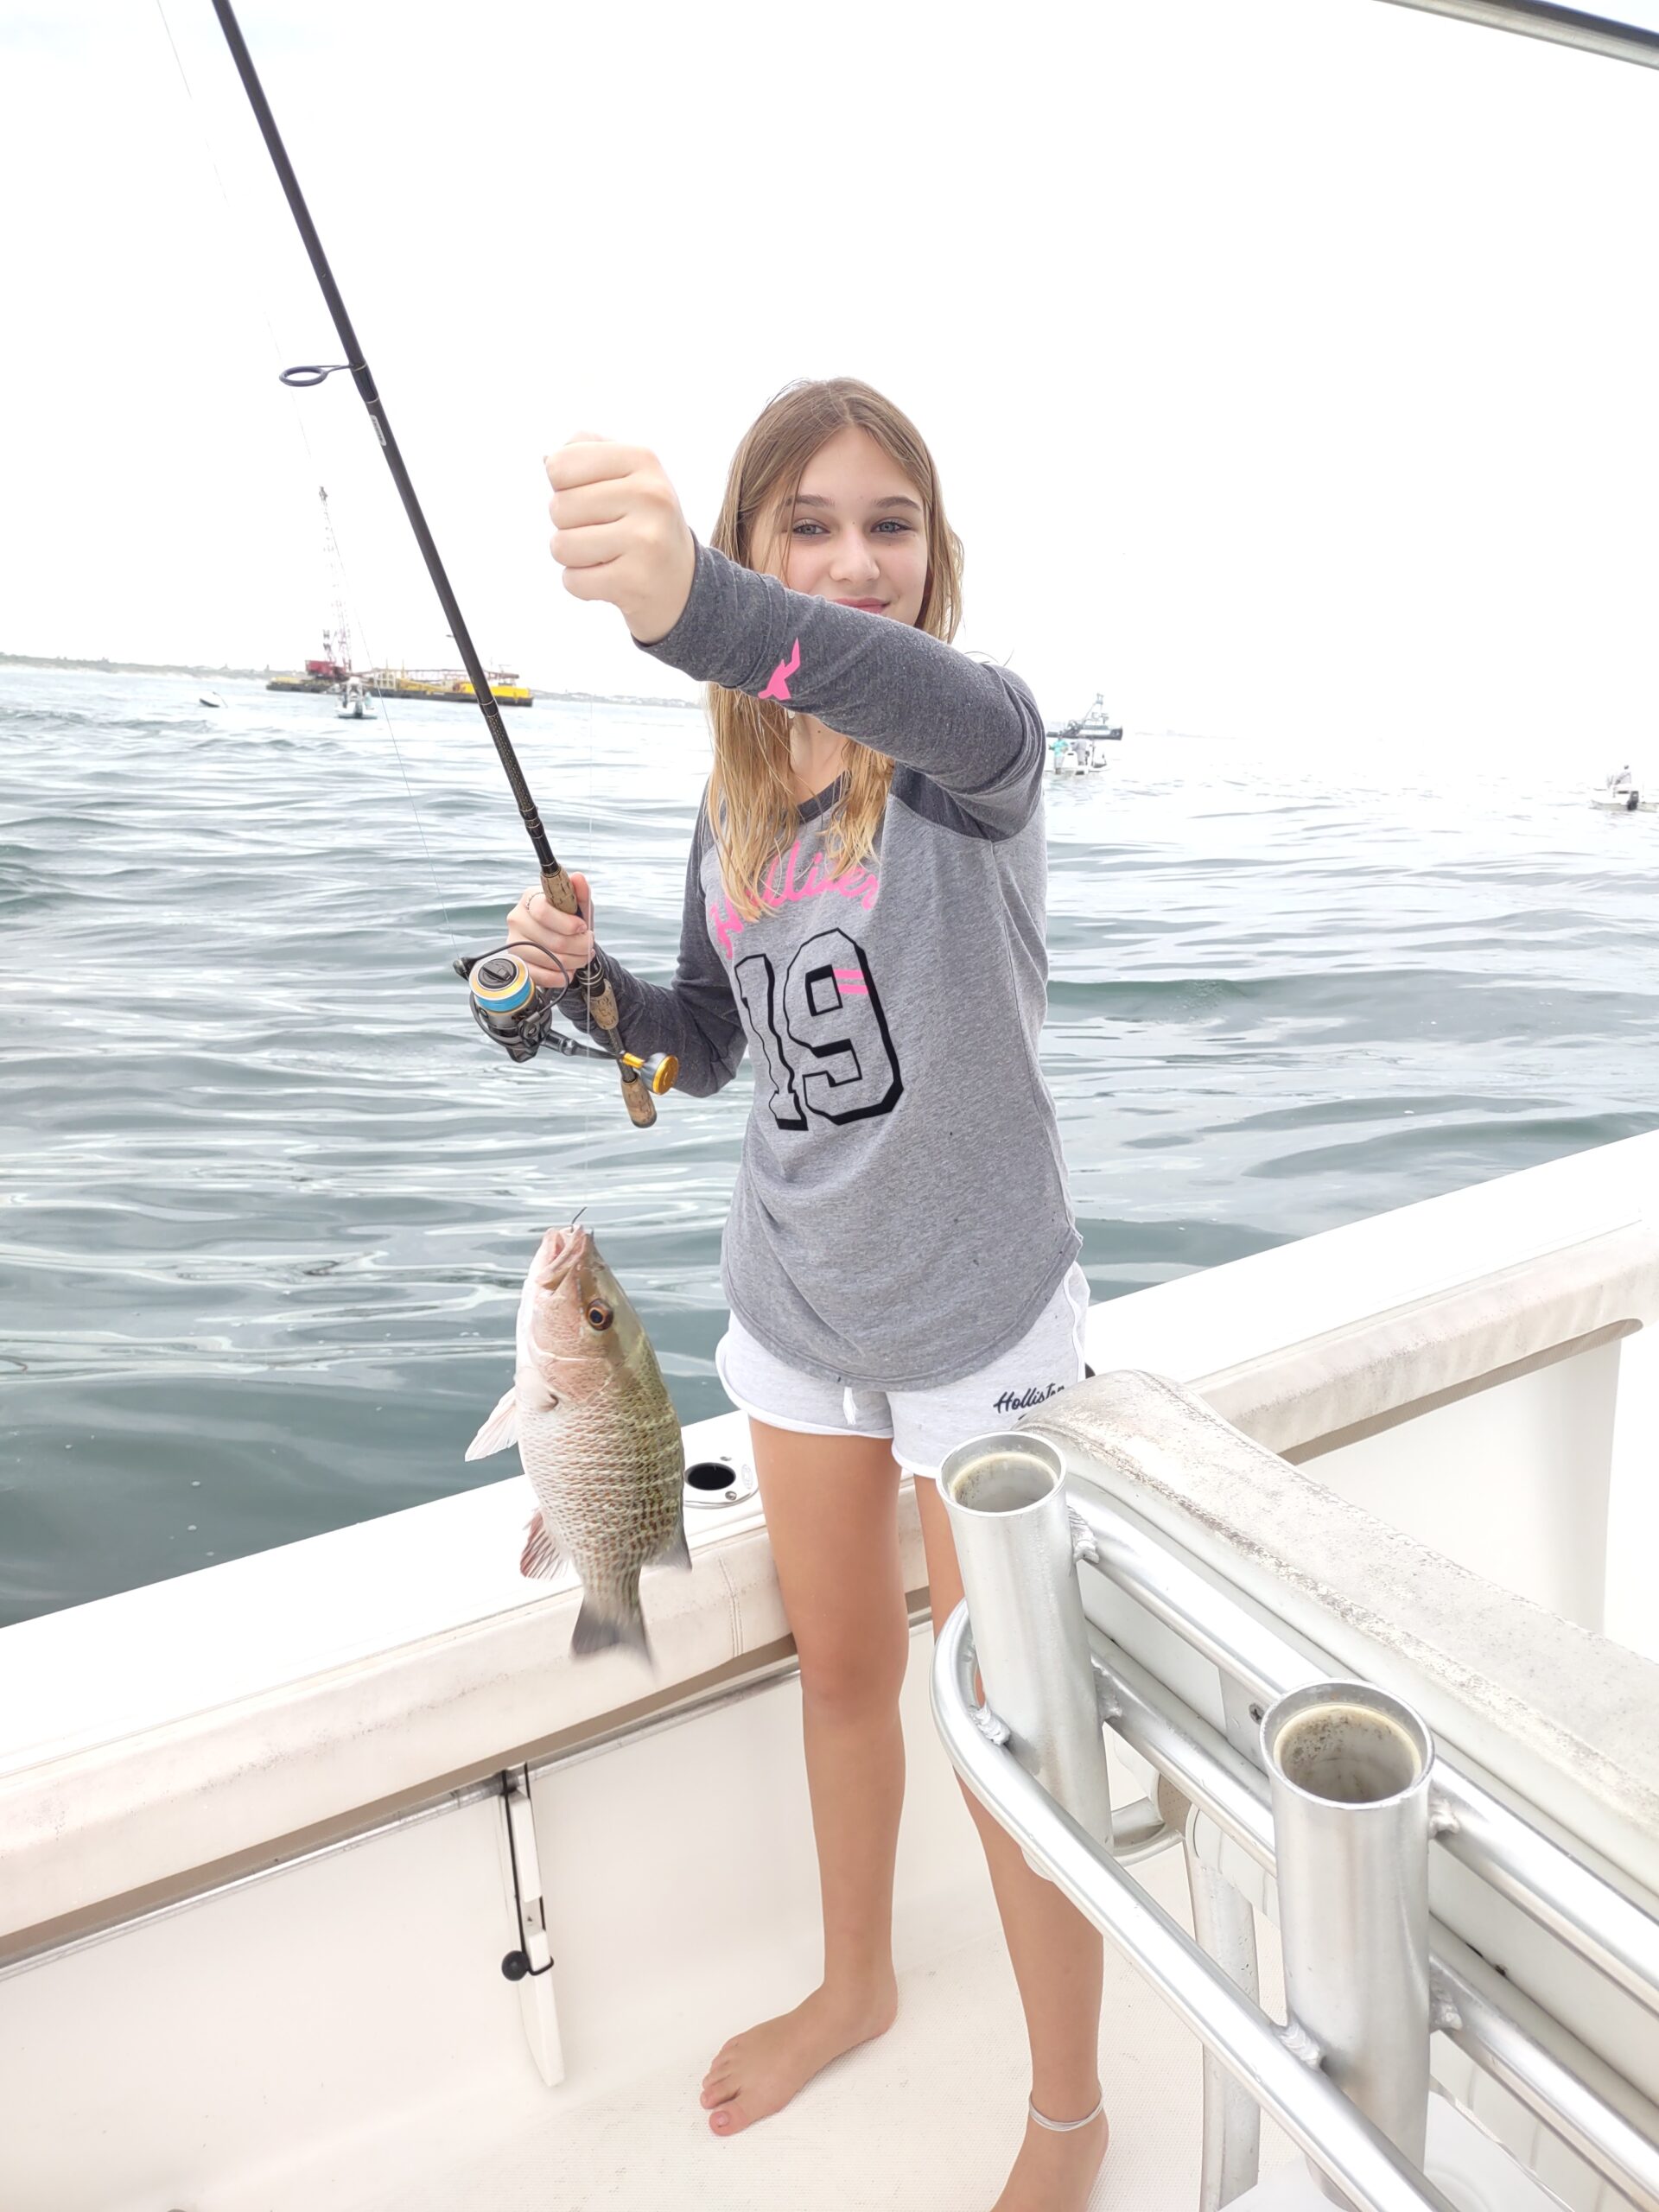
[(1630, 1616), (340, 2035), (1512, 1483), (1217, 1318), (927, 2119), (142, 1660), (111, 1668)]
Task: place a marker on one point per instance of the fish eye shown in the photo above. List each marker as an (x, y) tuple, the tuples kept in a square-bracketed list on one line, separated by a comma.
[(598, 1315)]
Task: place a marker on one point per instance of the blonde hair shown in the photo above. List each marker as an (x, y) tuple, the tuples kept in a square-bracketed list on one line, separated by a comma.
[(752, 810)]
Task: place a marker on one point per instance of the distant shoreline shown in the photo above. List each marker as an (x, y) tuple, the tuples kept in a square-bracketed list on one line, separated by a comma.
[(260, 675)]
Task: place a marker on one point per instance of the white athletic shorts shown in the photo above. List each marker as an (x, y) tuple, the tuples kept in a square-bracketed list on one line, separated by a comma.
[(923, 1425)]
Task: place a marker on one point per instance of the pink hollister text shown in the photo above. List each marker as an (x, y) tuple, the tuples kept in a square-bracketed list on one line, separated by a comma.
[(781, 889)]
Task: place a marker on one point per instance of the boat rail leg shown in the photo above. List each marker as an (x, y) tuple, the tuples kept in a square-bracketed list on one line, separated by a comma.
[(1225, 1928)]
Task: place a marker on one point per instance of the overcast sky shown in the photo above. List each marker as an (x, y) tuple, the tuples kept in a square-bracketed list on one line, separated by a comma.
[(1289, 364)]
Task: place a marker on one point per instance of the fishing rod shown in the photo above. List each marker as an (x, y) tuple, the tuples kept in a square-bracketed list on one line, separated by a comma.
[(1618, 41), (507, 1004)]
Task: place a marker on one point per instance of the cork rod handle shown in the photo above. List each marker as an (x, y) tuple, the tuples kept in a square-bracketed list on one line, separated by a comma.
[(560, 894)]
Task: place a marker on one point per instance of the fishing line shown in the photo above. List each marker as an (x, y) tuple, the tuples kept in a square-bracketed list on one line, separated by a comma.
[(382, 704), (638, 1094), (238, 223), (590, 831)]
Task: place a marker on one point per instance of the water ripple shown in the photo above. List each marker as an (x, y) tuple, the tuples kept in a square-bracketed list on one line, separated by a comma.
[(265, 1198)]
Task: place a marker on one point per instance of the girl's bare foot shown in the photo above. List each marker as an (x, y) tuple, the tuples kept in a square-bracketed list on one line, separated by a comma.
[(756, 2074), (1055, 2172)]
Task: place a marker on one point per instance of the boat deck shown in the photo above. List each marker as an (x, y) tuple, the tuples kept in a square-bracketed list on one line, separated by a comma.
[(927, 2119)]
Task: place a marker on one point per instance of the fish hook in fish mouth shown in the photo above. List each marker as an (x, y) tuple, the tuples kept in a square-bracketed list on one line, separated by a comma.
[(567, 1234), (570, 1243)]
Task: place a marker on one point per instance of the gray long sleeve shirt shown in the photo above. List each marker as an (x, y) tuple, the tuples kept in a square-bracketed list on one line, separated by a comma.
[(901, 1215)]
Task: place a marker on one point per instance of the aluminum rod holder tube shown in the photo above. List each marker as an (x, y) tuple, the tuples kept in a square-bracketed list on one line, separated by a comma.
[(1311, 2110), (1005, 1497), (1348, 1768)]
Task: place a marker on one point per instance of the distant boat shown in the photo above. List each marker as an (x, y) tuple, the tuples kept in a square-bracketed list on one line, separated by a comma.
[(211, 699), (1079, 745), (1095, 723), (1621, 794), (353, 705), (451, 684), (1078, 756)]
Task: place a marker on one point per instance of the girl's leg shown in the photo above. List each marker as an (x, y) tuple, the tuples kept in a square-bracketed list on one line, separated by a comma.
[(831, 1506), (1057, 1964)]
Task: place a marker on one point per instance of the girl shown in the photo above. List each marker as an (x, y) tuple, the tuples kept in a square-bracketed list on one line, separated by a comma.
[(864, 913)]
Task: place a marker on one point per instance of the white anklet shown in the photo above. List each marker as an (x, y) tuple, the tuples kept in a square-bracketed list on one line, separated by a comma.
[(1066, 2126)]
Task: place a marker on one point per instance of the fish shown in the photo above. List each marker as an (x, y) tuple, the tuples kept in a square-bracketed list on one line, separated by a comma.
[(598, 1440)]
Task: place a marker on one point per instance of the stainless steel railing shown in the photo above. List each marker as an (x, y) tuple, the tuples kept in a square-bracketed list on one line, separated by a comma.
[(1438, 1979), (1576, 2094), (1575, 1899), (1312, 2111)]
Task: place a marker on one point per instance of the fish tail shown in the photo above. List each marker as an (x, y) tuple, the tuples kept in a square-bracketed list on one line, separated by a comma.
[(612, 1617)]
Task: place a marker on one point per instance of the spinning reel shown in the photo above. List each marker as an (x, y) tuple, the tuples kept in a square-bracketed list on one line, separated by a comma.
[(515, 1012)]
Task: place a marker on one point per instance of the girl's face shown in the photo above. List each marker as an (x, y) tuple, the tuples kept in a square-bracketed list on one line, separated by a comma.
[(857, 533)]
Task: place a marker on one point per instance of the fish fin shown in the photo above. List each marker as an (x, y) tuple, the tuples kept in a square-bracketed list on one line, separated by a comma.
[(676, 1552), (606, 1622), (541, 1558), (501, 1430)]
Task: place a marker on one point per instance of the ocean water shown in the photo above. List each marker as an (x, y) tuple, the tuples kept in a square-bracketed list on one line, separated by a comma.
[(266, 1197)]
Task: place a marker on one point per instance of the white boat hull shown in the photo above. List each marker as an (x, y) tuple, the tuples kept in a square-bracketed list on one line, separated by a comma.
[(259, 1884)]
